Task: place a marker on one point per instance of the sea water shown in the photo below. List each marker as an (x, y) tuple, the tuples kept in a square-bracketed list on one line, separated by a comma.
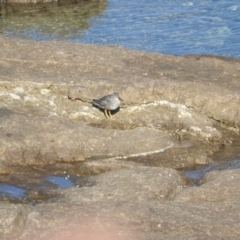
[(169, 27)]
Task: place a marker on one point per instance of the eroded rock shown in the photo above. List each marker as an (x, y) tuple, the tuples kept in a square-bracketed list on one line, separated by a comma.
[(139, 203), (177, 112), (48, 139), (12, 220), (217, 187)]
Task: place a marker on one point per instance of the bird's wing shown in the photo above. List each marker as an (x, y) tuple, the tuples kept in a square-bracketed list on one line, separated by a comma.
[(104, 102)]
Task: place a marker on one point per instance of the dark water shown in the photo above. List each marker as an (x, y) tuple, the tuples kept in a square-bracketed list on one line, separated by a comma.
[(166, 26), (218, 166), (36, 183), (14, 192)]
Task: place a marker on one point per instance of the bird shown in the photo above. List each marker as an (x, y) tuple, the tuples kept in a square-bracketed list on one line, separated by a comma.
[(108, 103)]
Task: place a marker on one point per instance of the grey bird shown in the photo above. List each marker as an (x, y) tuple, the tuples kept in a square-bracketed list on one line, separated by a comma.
[(108, 103)]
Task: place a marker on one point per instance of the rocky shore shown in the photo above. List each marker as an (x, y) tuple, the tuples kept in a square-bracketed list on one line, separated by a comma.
[(178, 113)]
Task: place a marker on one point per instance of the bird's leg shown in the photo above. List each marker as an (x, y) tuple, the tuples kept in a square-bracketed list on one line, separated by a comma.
[(106, 114), (110, 115)]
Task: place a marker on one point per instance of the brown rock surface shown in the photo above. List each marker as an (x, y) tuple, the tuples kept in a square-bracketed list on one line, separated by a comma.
[(194, 112), (141, 203), (177, 112)]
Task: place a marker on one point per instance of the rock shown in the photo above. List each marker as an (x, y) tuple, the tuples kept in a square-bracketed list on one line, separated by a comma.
[(98, 166), (12, 220), (139, 203), (48, 139), (216, 187), (178, 112), (144, 184), (41, 93)]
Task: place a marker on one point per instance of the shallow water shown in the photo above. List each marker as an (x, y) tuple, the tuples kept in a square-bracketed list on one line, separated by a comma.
[(195, 176), (61, 182), (35, 188), (177, 27), (35, 184), (7, 190)]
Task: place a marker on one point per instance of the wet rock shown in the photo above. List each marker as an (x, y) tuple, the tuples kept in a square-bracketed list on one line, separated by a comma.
[(111, 199), (216, 186), (139, 203)]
